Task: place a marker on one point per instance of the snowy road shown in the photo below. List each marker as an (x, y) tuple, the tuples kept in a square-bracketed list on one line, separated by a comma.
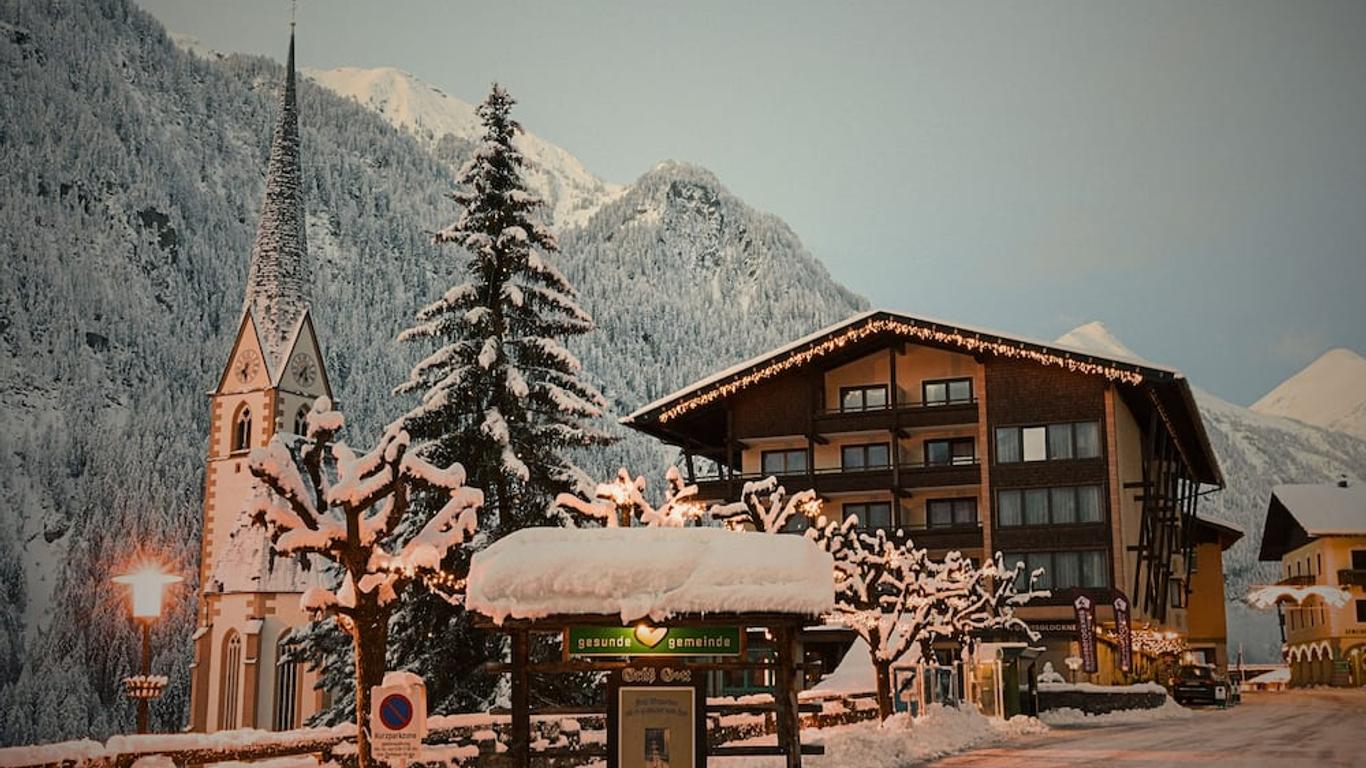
[(1322, 727)]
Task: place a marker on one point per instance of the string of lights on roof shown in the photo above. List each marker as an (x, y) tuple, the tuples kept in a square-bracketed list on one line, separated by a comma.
[(969, 342)]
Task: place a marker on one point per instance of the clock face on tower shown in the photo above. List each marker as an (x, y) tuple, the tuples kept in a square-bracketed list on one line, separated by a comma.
[(305, 371), (247, 365)]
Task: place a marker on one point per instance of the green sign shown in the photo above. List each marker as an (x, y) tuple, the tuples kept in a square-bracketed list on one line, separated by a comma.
[(645, 640)]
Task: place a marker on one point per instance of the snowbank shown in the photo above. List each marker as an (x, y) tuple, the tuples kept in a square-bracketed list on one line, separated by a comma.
[(1093, 688), (648, 572), (855, 674), (897, 742), (1169, 710)]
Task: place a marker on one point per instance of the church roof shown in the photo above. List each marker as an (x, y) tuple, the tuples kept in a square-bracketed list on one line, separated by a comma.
[(277, 294)]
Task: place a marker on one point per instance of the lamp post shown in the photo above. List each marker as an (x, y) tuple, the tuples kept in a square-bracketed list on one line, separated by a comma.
[(146, 586)]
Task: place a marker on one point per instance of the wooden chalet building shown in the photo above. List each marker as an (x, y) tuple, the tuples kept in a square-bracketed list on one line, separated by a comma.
[(1088, 466)]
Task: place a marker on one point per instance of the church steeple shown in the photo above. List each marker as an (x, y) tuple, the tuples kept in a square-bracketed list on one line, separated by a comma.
[(277, 286)]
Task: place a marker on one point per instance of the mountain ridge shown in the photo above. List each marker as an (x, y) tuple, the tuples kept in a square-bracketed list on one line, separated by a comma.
[(1330, 392)]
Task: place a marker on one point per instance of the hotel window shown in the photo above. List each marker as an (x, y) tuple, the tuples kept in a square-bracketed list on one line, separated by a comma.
[(785, 462), (1062, 570), (1178, 592), (867, 456), (951, 513), (286, 689), (1359, 559), (796, 523), (866, 398), (946, 392), (1361, 611), (1070, 440), (959, 450), (1064, 505), (872, 514)]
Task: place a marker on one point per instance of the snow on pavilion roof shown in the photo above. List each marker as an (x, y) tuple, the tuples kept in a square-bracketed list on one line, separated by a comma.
[(654, 573)]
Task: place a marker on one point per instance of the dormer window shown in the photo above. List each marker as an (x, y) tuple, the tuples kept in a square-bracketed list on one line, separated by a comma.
[(241, 430), (301, 421)]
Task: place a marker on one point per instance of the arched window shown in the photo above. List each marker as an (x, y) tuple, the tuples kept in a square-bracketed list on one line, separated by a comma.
[(231, 682), (241, 430), (286, 688), (301, 421)]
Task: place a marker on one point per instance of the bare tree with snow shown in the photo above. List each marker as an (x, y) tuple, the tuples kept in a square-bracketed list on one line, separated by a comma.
[(766, 507), (622, 501), (319, 499)]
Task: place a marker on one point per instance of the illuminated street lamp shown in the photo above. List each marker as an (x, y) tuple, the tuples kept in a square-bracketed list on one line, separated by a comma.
[(146, 586)]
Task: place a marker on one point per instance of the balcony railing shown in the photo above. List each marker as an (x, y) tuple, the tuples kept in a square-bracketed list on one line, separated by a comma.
[(933, 414), (1352, 577), (1300, 580), (839, 479)]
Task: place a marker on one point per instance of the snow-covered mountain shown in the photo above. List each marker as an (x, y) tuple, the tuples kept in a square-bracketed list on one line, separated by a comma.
[(1256, 451), (132, 185), (1330, 393), (446, 123)]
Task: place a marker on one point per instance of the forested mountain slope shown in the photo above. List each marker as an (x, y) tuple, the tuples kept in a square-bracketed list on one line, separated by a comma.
[(131, 185)]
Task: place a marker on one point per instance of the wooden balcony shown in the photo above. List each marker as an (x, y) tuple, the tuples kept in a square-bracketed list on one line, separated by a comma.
[(840, 480), (904, 415), (1301, 580)]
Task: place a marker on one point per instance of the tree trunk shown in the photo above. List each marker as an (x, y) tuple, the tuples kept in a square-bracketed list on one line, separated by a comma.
[(884, 688), (370, 635)]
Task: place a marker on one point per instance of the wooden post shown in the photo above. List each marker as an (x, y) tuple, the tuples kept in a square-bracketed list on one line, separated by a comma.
[(730, 453), (785, 695), (520, 747)]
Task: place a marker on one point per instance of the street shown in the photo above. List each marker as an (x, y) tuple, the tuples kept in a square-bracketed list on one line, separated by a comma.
[(1319, 727)]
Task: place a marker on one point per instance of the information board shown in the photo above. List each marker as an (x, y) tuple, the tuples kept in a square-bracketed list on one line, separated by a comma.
[(656, 718)]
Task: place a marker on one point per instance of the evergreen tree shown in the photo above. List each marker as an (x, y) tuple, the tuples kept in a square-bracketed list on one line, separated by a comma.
[(502, 394)]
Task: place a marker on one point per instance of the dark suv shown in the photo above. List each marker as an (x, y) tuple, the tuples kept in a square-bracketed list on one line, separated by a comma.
[(1202, 684)]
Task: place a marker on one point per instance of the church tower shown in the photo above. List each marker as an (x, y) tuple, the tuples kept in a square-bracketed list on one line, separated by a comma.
[(249, 602)]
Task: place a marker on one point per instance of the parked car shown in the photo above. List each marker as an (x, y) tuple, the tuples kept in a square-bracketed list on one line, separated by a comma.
[(1203, 684)]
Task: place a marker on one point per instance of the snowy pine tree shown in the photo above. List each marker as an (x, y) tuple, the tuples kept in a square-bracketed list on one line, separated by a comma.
[(502, 394)]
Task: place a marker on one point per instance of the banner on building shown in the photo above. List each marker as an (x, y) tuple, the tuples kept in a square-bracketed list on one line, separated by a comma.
[(1124, 633), (1086, 632)]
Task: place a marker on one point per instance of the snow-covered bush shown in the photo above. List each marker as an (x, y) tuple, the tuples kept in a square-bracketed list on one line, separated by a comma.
[(620, 502)]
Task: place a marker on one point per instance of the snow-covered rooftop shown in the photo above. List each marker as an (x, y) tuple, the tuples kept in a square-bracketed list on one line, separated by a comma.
[(1070, 346), (650, 573), (1326, 510)]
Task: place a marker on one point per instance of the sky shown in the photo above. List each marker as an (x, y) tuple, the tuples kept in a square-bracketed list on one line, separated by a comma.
[(1193, 174)]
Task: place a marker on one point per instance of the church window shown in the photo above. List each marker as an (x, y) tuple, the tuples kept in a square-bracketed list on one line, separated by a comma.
[(232, 682), (241, 430), (286, 688), (301, 421)]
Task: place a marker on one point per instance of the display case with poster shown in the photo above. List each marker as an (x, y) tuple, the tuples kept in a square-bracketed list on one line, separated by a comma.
[(656, 718)]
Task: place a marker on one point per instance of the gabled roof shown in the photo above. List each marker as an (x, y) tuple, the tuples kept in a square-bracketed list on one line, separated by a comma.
[(1170, 390), (1298, 514), (1226, 532)]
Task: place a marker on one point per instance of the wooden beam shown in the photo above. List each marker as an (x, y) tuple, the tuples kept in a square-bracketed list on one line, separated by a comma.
[(519, 748), (785, 696)]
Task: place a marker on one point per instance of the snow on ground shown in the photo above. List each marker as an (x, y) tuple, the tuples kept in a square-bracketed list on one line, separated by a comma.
[(898, 742), (1068, 716)]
